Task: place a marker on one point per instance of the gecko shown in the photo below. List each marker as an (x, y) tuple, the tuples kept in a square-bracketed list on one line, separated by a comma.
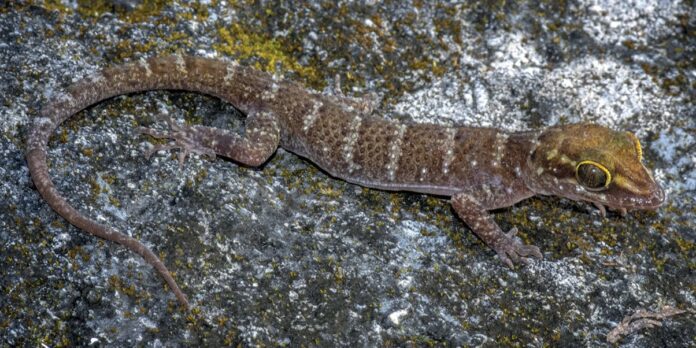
[(478, 169)]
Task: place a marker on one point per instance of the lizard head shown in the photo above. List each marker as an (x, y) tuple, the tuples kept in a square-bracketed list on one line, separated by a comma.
[(592, 163)]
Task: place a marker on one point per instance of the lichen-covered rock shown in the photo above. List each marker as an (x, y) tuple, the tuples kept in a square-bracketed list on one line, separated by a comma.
[(286, 255)]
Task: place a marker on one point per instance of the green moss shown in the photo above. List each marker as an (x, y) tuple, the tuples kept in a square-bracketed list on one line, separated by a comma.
[(630, 44), (327, 189), (142, 12), (266, 53), (118, 284), (685, 246), (56, 5), (88, 152), (95, 189), (114, 201)]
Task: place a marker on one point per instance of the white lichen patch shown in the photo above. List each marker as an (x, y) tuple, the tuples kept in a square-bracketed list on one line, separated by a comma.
[(449, 102), (395, 317), (612, 22), (671, 147), (605, 91)]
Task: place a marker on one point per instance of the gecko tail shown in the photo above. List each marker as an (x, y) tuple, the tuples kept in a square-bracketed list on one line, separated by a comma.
[(171, 72), (39, 174)]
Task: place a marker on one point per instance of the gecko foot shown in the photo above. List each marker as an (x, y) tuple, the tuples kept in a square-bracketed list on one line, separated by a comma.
[(364, 105), (603, 211), (511, 250), (181, 138)]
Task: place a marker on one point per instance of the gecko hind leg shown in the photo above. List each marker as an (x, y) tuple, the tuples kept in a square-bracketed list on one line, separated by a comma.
[(509, 248), (364, 105), (181, 138), (259, 142)]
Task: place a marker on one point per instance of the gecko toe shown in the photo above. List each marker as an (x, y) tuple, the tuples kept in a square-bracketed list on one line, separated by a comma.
[(506, 260), (181, 138), (514, 256), (182, 158), (156, 148), (601, 208), (530, 250), (507, 255), (152, 132), (512, 251), (623, 212)]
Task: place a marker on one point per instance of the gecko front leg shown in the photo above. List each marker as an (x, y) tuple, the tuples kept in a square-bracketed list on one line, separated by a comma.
[(260, 140), (508, 248)]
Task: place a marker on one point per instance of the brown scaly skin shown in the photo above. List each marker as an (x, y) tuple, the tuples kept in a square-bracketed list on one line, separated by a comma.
[(479, 168), (561, 149)]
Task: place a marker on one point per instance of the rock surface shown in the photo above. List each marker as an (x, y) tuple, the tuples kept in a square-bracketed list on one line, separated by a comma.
[(284, 254)]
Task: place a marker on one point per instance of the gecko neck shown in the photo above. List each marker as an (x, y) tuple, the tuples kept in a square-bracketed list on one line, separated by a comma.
[(531, 174), (513, 173)]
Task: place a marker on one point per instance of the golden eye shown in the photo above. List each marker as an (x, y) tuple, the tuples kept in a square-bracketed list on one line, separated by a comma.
[(636, 144), (592, 175)]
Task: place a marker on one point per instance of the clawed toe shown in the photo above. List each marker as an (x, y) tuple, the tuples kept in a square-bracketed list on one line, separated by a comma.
[(152, 132), (180, 140), (512, 251), (506, 260), (156, 148), (531, 250)]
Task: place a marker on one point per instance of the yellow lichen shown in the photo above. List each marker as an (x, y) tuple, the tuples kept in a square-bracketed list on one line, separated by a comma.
[(269, 54), (142, 12)]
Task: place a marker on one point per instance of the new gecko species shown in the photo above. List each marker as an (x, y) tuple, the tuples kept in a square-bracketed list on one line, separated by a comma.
[(480, 169)]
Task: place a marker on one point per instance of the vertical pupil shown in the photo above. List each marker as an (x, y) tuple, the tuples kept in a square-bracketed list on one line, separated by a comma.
[(591, 176)]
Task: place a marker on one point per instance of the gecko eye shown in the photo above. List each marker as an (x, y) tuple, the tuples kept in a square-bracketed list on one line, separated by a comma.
[(592, 175)]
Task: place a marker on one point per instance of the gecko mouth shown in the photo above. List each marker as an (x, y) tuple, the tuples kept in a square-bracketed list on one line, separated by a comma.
[(623, 206)]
